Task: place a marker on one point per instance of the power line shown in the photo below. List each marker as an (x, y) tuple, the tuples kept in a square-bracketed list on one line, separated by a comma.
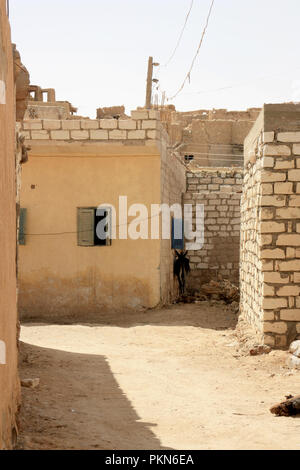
[(88, 230), (238, 85), (181, 34), (188, 75)]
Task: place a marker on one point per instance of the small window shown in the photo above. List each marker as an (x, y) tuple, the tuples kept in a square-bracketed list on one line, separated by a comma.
[(22, 227), (177, 234), (91, 230)]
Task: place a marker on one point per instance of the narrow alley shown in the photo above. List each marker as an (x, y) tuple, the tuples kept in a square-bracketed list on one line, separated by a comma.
[(167, 379)]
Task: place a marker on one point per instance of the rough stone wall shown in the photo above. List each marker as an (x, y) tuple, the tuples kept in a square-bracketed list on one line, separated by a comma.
[(22, 81), (251, 272), (9, 382), (214, 137), (219, 191), (270, 236)]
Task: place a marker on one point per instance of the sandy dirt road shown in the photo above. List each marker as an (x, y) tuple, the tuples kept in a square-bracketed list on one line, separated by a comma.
[(164, 379)]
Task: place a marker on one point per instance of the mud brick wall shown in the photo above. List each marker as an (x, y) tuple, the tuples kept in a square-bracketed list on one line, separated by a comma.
[(219, 190), (270, 229), (9, 382)]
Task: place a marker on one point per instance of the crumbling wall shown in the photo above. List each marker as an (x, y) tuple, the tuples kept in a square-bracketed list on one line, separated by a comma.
[(214, 137), (22, 81), (219, 190), (114, 112), (270, 240), (9, 383)]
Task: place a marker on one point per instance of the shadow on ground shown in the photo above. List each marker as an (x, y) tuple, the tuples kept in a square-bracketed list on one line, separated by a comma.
[(78, 405), (200, 315)]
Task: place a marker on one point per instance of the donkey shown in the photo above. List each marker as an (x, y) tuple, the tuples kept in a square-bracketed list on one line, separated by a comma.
[(181, 268)]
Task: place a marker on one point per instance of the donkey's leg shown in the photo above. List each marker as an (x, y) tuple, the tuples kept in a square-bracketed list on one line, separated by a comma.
[(180, 283), (183, 281)]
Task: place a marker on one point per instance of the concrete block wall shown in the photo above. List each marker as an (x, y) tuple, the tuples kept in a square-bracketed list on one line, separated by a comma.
[(270, 229), (143, 126), (219, 190)]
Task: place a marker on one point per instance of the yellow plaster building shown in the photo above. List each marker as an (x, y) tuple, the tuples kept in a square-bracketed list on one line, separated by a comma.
[(74, 166)]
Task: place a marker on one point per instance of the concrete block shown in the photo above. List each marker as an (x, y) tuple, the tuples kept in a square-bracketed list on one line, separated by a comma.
[(283, 188), (40, 135), (272, 176), (275, 278), (60, 135), (288, 213), (139, 135), (268, 137), (118, 135), (99, 134), (127, 124), (294, 201), (80, 135), (108, 123), (288, 137), (294, 175), (285, 266), (284, 164), (288, 291), (32, 125), (290, 314), (276, 327), (273, 254), (268, 162), (288, 240), (51, 124), (70, 124), (139, 115), (89, 124), (150, 124), (272, 227), (154, 114), (296, 149), (274, 303), (276, 151)]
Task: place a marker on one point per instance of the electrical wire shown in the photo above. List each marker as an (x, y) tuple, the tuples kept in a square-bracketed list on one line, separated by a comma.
[(85, 231), (238, 85), (188, 75), (181, 34)]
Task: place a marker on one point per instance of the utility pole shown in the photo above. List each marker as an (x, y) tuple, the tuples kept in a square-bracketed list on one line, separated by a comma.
[(151, 64)]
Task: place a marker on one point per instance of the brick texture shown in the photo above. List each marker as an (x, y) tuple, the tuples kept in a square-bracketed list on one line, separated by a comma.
[(270, 270), (220, 192)]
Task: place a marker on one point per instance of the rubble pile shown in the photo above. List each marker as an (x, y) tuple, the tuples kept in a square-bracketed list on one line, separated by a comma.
[(221, 290)]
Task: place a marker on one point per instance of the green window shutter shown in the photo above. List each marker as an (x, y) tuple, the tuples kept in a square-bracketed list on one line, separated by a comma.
[(22, 226), (85, 226)]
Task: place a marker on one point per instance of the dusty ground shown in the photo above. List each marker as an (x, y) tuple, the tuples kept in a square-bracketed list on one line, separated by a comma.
[(171, 378)]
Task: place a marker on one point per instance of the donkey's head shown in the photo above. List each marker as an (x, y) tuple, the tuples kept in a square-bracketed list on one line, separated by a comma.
[(181, 255)]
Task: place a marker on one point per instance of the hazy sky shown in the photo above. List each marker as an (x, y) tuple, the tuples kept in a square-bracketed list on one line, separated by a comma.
[(95, 52)]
